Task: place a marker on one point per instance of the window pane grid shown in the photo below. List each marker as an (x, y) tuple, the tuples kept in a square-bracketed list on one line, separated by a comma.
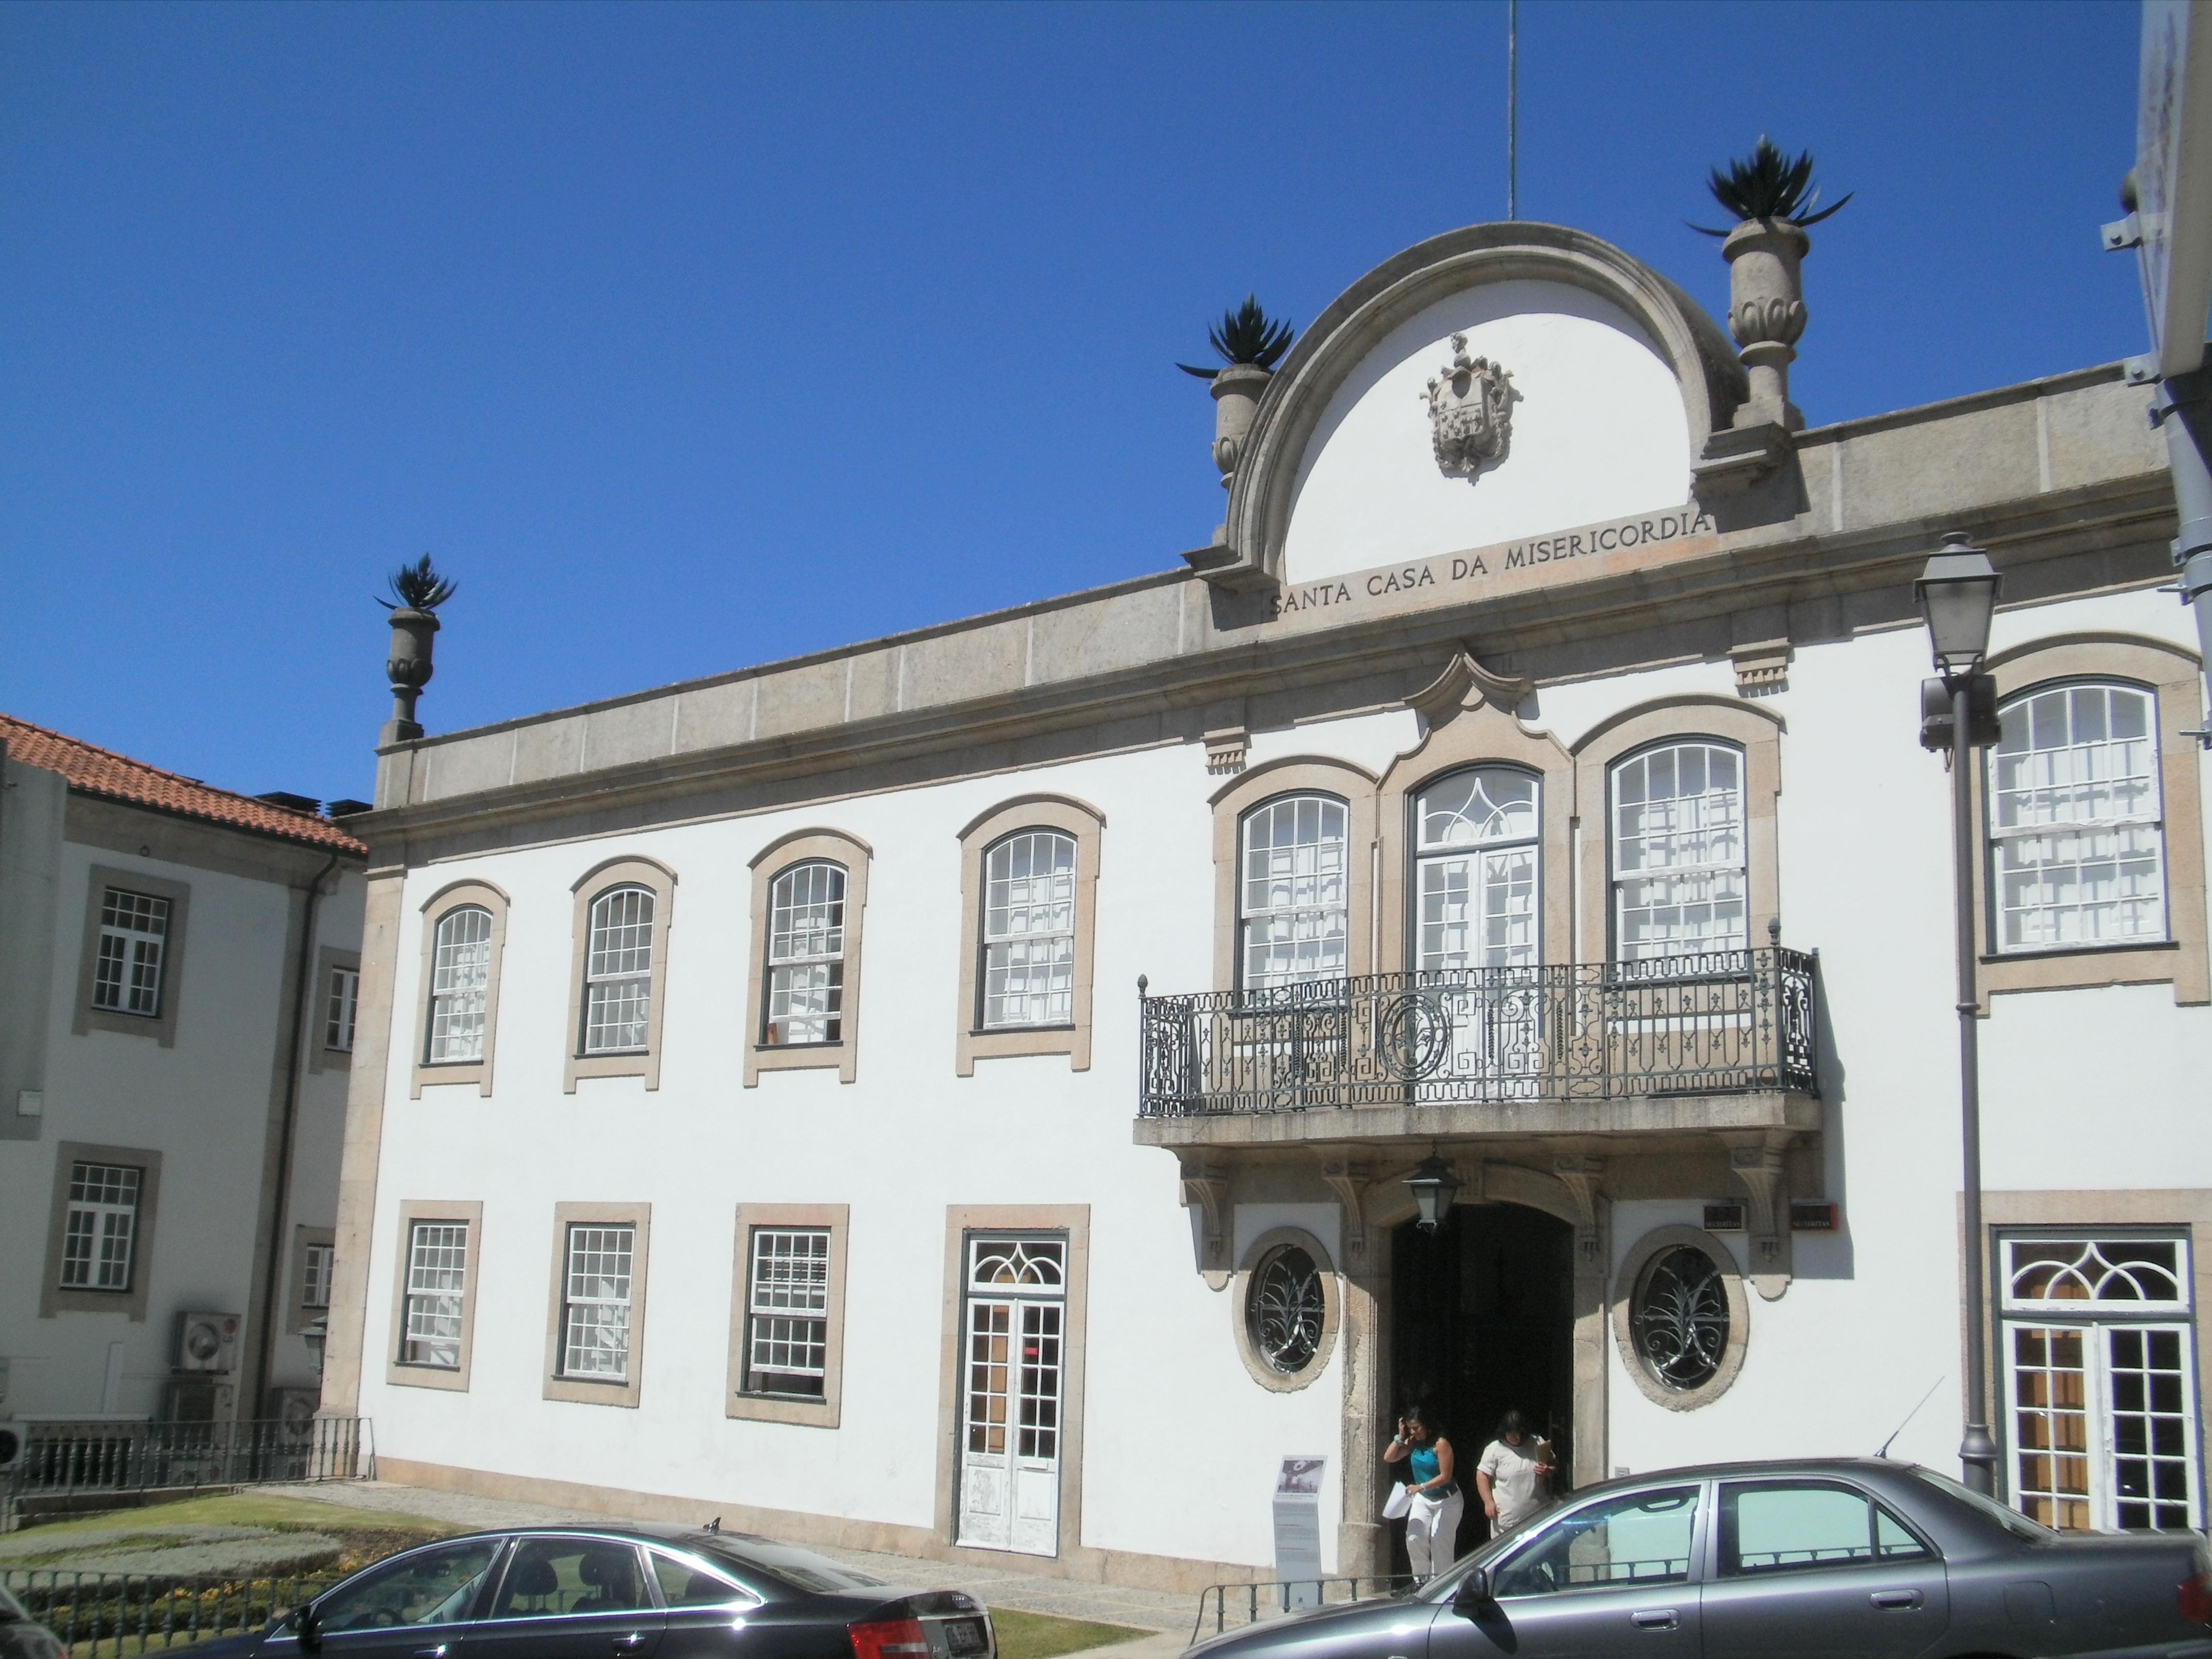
[(595, 1319), (1678, 852), (788, 1341), (437, 1282), (619, 972), (315, 1276), (344, 1001), (1028, 930), (460, 975), (1294, 882), (2077, 843), (807, 955), (101, 1226), (133, 929)]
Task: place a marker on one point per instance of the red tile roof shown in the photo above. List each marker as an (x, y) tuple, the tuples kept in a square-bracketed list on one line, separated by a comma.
[(117, 777)]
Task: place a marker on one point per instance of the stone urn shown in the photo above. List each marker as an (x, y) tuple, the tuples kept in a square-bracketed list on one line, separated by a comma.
[(1766, 313), (409, 668), (1236, 393)]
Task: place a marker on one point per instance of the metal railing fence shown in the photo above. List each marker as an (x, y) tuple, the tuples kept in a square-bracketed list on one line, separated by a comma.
[(1235, 1605), (114, 1615), (1716, 1022), (63, 1460)]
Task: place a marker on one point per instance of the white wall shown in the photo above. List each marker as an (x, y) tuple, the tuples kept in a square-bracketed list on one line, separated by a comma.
[(1598, 432), (1181, 1440)]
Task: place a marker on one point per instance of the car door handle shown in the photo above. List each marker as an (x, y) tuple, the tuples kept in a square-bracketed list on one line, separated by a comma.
[(1895, 1598), (437, 1652), (1657, 1619), (626, 1643)]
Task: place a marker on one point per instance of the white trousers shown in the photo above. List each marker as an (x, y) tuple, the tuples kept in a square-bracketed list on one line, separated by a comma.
[(1432, 1532)]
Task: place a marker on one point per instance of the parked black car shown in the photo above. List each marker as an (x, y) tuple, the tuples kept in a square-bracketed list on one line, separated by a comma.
[(21, 1639), (631, 1592), (1859, 1557)]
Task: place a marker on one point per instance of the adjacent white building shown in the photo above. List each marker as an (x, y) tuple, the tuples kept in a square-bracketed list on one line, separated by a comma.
[(756, 1112), (179, 973)]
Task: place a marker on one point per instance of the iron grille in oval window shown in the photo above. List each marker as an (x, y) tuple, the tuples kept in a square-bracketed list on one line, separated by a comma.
[(1681, 1317), (1286, 1310)]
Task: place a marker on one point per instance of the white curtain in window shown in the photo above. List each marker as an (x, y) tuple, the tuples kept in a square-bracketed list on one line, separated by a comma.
[(1679, 858), (1295, 864), (1475, 863), (619, 972), (806, 954), (460, 969), (1028, 930)]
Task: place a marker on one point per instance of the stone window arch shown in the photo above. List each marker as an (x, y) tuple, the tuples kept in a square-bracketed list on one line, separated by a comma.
[(841, 877), (1680, 726), (2168, 675), (1057, 829), (618, 973), (1285, 1306), (1680, 1318), (457, 1024), (1350, 787)]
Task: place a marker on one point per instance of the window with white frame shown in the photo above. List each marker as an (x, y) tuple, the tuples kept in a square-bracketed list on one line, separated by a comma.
[(1294, 856), (807, 955), (2076, 833), (101, 1232), (595, 1306), (437, 1286), (315, 1268), (1680, 875), (787, 1311), (339, 1007), (460, 973), (2100, 1378), (1475, 871), (1028, 930), (134, 931), (619, 972)]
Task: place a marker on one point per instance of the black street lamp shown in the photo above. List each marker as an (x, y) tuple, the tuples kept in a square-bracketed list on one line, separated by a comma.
[(1433, 1191), (1958, 596)]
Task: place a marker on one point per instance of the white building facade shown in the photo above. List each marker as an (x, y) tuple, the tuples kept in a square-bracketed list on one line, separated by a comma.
[(757, 1113), (180, 974)]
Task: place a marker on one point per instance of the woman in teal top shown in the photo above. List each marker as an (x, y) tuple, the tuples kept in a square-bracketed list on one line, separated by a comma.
[(1435, 1502)]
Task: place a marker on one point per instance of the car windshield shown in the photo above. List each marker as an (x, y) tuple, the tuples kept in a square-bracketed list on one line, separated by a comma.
[(787, 1564), (2010, 1519)]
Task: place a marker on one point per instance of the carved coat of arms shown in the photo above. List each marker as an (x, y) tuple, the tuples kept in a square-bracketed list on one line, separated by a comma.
[(1470, 412)]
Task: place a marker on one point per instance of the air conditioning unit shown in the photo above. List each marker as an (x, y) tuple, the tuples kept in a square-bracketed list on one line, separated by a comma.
[(208, 1342)]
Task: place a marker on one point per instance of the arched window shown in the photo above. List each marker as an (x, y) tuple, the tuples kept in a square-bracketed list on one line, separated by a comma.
[(806, 998), (1476, 895), (1028, 930), (2076, 825), (1679, 851), (460, 976), (619, 972), (1292, 913)]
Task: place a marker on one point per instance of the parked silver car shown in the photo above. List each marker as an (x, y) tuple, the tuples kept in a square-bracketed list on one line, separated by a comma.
[(1859, 1557)]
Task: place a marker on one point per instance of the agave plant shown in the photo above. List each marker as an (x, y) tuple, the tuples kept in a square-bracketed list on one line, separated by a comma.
[(1768, 184), (1246, 335), (416, 586)]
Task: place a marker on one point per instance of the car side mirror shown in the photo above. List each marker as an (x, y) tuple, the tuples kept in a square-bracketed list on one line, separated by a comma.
[(1474, 1592), (304, 1626)]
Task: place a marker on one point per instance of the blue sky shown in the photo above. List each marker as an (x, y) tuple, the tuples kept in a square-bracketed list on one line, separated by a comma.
[(690, 336)]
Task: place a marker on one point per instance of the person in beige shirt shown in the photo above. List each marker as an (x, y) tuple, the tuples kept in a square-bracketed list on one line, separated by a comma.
[(1513, 1477)]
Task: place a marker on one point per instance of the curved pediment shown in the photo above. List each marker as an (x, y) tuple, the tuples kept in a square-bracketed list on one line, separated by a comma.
[(1577, 384)]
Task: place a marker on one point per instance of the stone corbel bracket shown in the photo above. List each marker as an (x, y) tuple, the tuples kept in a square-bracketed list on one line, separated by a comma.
[(1583, 1177), (1737, 459), (1763, 1167), (1206, 1188), (1349, 1183), (1464, 686)]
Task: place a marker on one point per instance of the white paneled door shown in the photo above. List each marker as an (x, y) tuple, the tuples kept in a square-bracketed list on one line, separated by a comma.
[(1014, 1333)]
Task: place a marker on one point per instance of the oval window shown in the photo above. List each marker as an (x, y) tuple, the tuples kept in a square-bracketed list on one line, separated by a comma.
[(1680, 1317), (1286, 1311)]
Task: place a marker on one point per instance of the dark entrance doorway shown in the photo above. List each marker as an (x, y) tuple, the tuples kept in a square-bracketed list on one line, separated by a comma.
[(1482, 1321)]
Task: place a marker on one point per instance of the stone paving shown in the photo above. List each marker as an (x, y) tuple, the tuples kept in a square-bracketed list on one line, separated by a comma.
[(1165, 1615)]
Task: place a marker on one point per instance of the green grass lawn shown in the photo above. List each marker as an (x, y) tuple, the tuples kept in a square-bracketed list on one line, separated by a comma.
[(1042, 1636), (249, 1508)]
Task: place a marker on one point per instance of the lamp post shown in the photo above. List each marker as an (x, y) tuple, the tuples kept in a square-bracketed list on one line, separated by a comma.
[(1433, 1192), (1958, 596)]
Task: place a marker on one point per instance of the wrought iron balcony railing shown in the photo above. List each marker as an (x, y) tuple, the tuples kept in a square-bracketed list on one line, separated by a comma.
[(1721, 1023)]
